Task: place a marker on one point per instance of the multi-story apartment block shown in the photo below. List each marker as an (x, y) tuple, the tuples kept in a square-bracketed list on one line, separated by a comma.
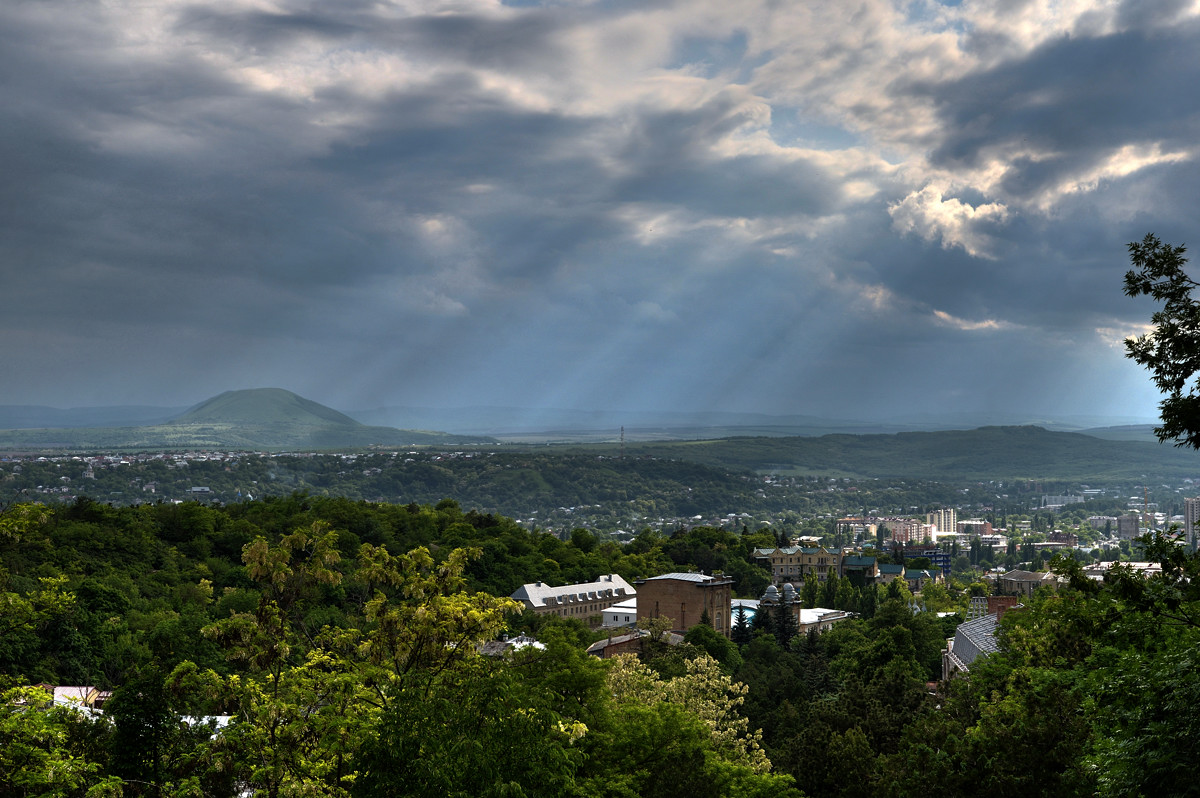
[(1191, 517), (1065, 539), (908, 530), (1061, 501), (858, 528), (946, 519), (974, 527)]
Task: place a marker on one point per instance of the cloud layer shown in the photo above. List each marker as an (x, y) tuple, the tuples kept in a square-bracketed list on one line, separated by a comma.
[(854, 209)]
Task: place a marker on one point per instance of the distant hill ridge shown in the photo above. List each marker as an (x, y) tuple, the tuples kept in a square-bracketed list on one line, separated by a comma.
[(1026, 452), (263, 406), (255, 418)]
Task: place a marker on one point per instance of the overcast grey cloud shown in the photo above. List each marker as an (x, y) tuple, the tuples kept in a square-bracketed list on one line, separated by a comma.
[(866, 209)]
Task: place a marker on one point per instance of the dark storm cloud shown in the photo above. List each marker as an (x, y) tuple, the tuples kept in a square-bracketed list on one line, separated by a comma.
[(515, 43), (1088, 141), (520, 43), (1074, 99), (667, 161), (577, 205), (263, 31)]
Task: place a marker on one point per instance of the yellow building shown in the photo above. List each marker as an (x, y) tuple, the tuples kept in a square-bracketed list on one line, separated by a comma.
[(794, 563)]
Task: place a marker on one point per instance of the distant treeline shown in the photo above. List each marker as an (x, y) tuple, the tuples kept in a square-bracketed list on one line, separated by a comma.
[(543, 487), (988, 453)]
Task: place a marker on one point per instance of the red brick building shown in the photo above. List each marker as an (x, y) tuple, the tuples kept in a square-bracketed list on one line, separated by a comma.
[(684, 598)]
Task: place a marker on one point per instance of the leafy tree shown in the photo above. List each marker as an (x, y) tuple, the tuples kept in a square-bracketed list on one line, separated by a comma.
[(1148, 728), (868, 601), (674, 756), (705, 691), (39, 635), (1171, 351), (763, 621), (305, 699), (37, 755), (810, 592), (18, 521), (829, 591), (1172, 595), (517, 744), (583, 540), (715, 645), (141, 712)]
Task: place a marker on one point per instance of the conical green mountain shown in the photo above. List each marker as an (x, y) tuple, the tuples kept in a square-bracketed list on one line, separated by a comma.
[(255, 419), (263, 406)]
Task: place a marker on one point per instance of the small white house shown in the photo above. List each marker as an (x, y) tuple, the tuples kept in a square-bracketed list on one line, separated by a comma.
[(621, 614)]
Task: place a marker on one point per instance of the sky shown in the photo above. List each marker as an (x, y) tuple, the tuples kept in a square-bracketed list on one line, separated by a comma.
[(852, 209)]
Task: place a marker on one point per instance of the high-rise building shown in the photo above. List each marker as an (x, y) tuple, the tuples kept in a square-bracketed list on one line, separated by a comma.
[(946, 519), (1191, 516)]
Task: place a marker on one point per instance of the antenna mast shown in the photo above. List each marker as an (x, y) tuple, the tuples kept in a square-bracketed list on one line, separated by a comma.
[(1146, 509)]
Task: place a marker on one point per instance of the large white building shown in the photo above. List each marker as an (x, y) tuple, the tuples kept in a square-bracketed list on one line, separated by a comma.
[(575, 601)]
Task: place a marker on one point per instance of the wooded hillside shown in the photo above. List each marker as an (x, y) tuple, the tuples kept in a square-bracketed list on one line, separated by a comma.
[(332, 645)]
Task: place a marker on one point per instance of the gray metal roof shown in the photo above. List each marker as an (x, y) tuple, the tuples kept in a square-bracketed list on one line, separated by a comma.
[(974, 639), (688, 577), (610, 587)]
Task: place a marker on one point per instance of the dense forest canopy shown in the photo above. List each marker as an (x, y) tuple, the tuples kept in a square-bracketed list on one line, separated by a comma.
[(325, 646)]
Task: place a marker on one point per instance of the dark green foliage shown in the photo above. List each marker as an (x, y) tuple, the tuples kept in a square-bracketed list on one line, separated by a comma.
[(763, 621), (1090, 693), (1170, 352), (785, 627), (1149, 730), (717, 646), (147, 732), (810, 591), (486, 731), (741, 633)]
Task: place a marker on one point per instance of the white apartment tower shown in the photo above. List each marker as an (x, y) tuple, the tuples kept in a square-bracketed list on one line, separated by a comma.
[(1191, 515), (946, 519)]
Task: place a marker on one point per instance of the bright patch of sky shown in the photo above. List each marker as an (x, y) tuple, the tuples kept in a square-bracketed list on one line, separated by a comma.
[(707, 57), (792, 129)]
